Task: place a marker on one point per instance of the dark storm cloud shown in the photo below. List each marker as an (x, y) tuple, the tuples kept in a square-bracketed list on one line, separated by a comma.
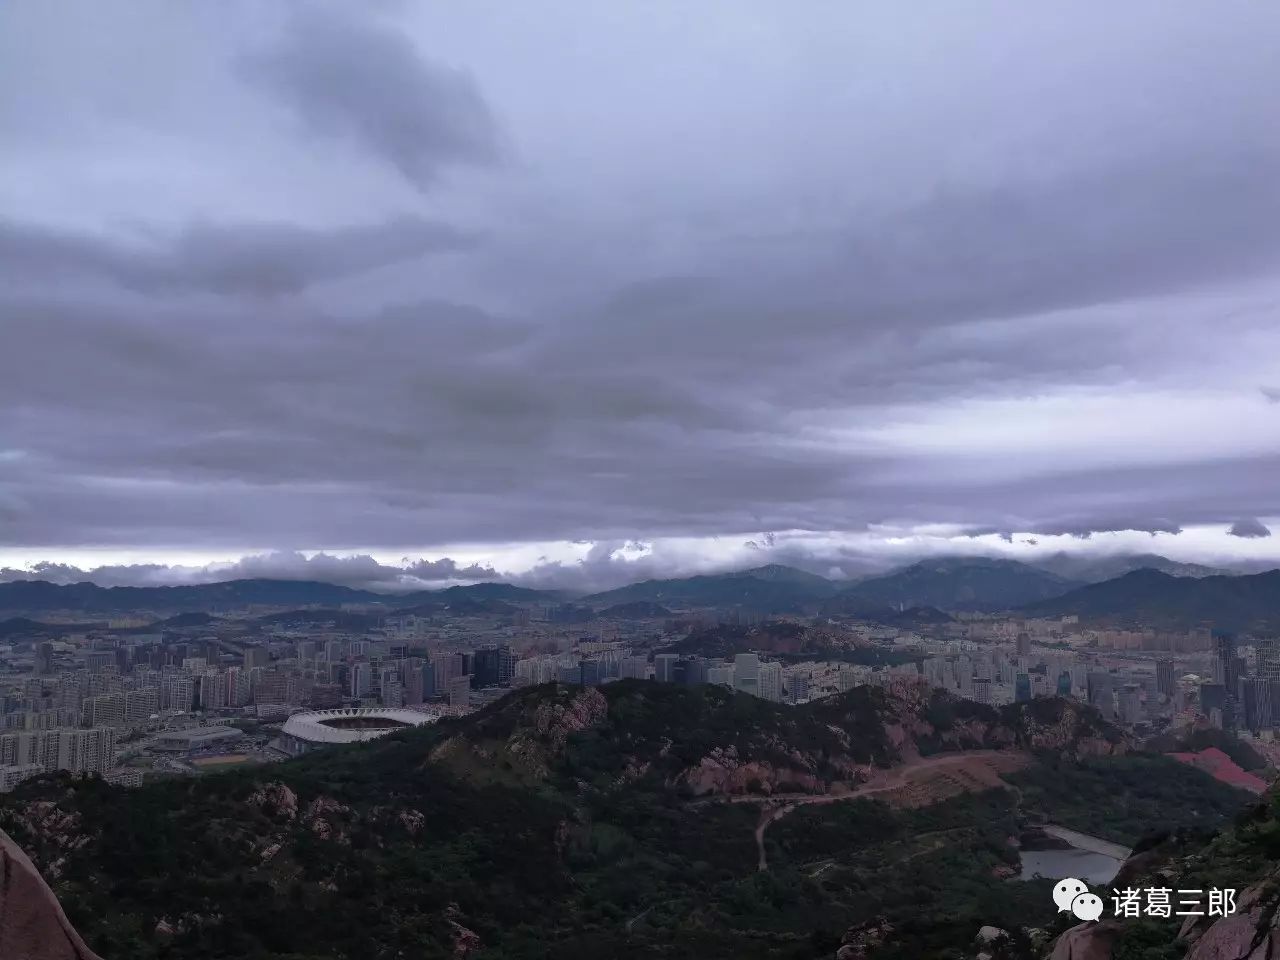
[(248, 258), (1249, 529), (350, 77), (774, 286)]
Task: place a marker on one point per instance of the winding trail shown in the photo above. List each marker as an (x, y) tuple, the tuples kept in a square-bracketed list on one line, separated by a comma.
[(918, 782)]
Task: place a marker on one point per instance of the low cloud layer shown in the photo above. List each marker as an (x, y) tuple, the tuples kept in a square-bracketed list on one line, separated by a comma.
[(331, 283), (1249, 529)]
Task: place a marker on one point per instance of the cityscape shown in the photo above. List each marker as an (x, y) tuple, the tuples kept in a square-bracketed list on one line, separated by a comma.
[(695, 481), (135, 698)]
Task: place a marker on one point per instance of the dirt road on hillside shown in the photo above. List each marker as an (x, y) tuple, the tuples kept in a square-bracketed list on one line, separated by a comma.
[(916, 783)]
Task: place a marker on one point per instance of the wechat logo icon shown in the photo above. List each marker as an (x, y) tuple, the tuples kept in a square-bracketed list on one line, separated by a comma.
[(1073, 895)]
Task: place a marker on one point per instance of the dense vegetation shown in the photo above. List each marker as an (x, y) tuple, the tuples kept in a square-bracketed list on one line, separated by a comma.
[(555, 823), (1194, 741), (1125, 798)]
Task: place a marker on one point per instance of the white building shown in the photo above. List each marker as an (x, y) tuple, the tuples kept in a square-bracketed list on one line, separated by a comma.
[(746, 673), (770, 682)]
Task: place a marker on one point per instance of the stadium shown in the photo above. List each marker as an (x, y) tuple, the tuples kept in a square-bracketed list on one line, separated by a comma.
[(323, 728)]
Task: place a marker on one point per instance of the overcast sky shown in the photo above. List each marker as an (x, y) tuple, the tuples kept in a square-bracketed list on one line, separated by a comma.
[(519, 284)]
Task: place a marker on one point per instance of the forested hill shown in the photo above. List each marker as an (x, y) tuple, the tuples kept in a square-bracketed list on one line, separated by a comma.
[(552, 817), (1149, 597)]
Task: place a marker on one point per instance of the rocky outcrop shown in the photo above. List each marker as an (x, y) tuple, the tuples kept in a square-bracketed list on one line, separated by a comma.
[(1088, 941), (275, 799), (722, 772), (32, 924), (861, 941), (556, 721), (465, 941)]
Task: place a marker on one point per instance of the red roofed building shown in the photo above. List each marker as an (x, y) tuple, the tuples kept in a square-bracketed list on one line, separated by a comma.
[(1222, 768)]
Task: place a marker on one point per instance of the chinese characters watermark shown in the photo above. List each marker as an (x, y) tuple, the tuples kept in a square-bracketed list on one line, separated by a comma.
[(1073, 895)]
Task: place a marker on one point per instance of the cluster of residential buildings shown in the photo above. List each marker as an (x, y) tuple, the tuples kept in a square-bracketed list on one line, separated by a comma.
[(114, 701)]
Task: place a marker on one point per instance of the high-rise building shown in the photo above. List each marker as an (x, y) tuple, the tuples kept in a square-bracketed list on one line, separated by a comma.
[(213, 690), (1130, 701), (1022, 687), (746, 673), (1224, 660), (104, 711), (494, 666), (770, 681), (140, 705), (239, 687), (664, 667), (592, 672), (273, 686), (98, 661), (849, 677), (633, 668), (392, 692), (799, 685), (361, 680), (177, 693), (460, 691), (981, 689), (695, 671), (1269, 658), (1258, 708), (1064, 683), (414, 690), (1101, 688), (720, 674), (1164, 677), (1024, 644), (78, 751)]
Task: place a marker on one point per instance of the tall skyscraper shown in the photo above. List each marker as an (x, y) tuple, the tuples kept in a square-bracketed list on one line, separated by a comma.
[(361, 680), (1164, 677), (1258, 708), (1269, 658), (414, 690)]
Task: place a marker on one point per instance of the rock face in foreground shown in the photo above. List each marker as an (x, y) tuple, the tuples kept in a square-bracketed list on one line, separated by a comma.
[(32, 924), (1087, 941)]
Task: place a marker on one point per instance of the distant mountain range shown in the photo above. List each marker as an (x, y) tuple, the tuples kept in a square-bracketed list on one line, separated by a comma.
[(635, 610), (1248, 602), (1087, 569), (34, 596), (956, 583), (769, 589), (922, 592)]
